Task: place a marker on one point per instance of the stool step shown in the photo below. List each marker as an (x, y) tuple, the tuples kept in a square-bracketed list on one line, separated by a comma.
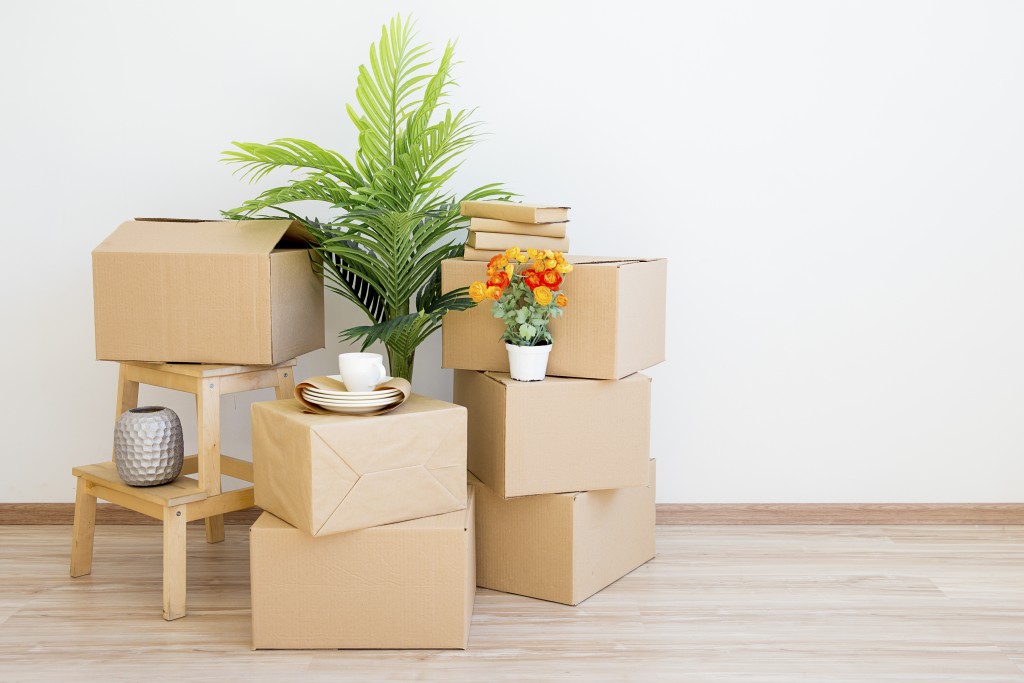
[(104, 474), (231, 467)]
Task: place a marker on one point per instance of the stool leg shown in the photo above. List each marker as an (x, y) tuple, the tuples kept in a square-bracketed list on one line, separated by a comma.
[(127, 393), (208, 409), (84, 530), (174, 562), (285, 383)]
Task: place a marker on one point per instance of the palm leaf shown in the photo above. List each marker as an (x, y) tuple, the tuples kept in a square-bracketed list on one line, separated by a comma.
[(393, 220)]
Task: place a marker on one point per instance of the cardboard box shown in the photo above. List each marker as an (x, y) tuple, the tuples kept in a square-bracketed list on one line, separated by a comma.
[(239, 293), (562, 547), (405, 585), (326, 474), (500, 241), (515, 211), (511, 227), (562, 434), (613, 326)]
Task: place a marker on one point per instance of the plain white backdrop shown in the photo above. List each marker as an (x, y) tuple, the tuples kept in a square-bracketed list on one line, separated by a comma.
[(839, 188)]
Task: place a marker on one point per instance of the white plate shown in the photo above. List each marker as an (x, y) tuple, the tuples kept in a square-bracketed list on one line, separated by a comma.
[(384, 400), (359, 394), (352, 404), (372, 395), (351, 410)]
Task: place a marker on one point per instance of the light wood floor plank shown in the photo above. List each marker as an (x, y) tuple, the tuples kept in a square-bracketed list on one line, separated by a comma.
[(757, 604)]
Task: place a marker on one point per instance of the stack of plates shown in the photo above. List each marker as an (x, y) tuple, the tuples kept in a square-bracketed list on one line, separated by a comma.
[(353, 402)]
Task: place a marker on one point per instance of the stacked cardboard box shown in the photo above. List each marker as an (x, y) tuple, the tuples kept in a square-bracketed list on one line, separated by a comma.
[(562, 472), (497, 226), (183, 291), (367, 536)]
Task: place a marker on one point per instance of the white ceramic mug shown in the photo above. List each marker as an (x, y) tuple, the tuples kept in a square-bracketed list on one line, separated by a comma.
[(361, 371)]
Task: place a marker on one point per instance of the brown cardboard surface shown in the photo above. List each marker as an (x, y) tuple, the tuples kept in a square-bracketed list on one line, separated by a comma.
[(487, 241), (240, 293), (405, 585), (515, 211), (514, 228), (327, 474), (471, 254), (562, 547), (558, 435), (613, 326)]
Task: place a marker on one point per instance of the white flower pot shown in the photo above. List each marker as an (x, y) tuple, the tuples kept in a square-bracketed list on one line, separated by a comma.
[(528, 363)]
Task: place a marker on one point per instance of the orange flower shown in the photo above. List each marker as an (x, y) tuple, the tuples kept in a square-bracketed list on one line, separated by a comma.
[(561, 300), (543, 295), (539, 266), (499, 279), (476, 291), (551, 278), (498, 261), (532, 279), (493, 292)]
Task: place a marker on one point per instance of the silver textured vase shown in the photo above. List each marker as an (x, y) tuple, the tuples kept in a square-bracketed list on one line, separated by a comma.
[(149, 449)]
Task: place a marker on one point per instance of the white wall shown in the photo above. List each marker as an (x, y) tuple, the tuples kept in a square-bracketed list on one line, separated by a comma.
[(839, 187)]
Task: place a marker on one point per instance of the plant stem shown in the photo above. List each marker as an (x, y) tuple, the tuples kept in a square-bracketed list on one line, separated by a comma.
[(400, 365)]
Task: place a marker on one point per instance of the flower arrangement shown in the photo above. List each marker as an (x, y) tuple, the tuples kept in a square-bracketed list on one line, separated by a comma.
[(525, 295)]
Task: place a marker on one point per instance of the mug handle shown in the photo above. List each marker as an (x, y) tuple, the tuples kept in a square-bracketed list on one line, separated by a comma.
[(382, 372)]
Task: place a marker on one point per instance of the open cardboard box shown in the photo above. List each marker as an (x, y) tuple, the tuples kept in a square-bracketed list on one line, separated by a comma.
[(326, 474), (561, 434), (562, 547), (232, 292), (405, 585), (613, 326)]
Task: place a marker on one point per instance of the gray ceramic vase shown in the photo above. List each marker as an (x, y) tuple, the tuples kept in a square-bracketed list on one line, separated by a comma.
[(149, 449)]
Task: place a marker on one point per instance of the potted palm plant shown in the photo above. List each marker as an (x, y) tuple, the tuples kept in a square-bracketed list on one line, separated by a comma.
[(393, 217)]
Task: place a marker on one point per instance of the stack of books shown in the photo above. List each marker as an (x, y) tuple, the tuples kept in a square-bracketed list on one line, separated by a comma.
[(497, 226)]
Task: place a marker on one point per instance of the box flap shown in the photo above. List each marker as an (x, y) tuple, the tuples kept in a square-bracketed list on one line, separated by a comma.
[(175, 236), (608, 260), (505, 379)]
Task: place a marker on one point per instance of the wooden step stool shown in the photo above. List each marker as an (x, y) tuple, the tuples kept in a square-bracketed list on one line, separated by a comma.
[(184, 499)]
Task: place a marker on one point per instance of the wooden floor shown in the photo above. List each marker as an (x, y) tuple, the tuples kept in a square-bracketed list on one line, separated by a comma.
[(766, 603)]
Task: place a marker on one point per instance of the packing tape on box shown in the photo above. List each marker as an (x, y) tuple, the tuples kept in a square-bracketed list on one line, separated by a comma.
[(328, 384)]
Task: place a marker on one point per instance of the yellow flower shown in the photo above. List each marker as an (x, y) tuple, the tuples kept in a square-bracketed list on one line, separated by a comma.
[(543, 295), (521, 258), (511, 252), (492, 292), (510, 269), (561, 300), (539, 266), (549, 254), (550, 263), (563, 268), (531, 252), (477, 291)]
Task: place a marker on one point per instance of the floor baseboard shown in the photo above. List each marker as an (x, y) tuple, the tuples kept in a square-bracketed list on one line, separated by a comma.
[(667, 513), (843, 513)]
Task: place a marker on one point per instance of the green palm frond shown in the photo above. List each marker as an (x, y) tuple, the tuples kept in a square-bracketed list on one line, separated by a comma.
[(413, 328), (393, 220)]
